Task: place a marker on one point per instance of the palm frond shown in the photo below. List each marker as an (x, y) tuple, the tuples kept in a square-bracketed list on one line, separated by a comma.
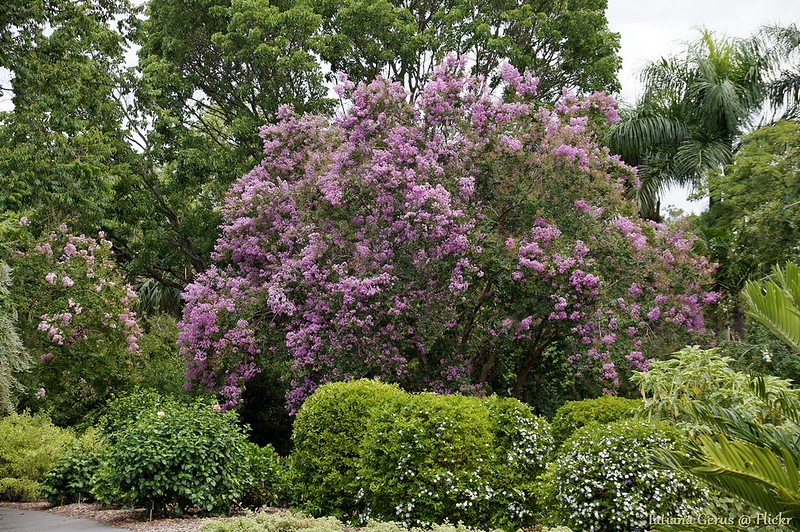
[(635, 136), (775, 304), (744, 470)]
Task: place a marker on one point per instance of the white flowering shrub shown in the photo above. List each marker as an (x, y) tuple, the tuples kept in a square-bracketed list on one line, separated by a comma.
[(604, 479), (427, 458)]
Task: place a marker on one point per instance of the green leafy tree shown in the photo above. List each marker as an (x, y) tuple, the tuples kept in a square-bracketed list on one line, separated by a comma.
[(566, 44), (695, 108), (755, 223), (211, 74), (63, 145)]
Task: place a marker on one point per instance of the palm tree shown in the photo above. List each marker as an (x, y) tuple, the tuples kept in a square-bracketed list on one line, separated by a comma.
[(776, 304), (784, 89), (694, 109)]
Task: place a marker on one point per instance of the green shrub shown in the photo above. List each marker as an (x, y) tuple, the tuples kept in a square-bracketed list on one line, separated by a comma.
[(30, 445), (523, 444), (672, 388), (19, 490), (71, 480), (428, 458), (603, 479), (576, 414), (173, 456), (327, 436), (264, 486)]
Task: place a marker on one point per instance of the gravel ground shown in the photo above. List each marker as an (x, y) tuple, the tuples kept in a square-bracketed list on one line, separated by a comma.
[(118, 518)]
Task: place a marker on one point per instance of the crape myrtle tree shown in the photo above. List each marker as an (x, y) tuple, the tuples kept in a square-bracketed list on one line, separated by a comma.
[(432, 243)]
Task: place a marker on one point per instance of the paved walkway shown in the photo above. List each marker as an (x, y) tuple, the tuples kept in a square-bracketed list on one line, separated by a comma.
[(18, 520)]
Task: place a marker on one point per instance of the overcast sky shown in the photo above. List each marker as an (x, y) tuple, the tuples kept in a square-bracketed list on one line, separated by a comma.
[(651, 29)]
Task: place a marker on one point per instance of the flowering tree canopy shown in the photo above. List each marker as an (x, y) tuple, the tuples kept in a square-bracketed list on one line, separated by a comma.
[(424, 243)]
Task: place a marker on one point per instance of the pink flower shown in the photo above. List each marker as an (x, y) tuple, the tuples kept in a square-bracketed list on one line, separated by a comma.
[(66, 281), (40, 394), (50, 278)]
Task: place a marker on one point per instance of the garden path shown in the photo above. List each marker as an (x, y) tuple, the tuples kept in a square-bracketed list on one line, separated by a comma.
[(21, 520)]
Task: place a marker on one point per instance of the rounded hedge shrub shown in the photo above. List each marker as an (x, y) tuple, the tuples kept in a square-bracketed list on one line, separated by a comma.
[(604, 479), (176, 457), (428, 458), (328, 431), (523, 445), (576, 414)]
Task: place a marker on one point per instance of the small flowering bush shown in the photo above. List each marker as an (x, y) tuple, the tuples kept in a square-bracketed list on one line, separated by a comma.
[(431, 243), (78, 322), (428, 458), (175, 457), (328, 432), (604, 480), (603, 410)]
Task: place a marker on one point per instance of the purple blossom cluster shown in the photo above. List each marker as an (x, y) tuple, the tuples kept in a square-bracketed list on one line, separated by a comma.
[(367, 245)]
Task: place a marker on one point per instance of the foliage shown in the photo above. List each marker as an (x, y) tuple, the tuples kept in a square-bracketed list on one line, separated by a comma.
[(604, 479), (172, 456), (672, 389), (291, 521), (62, 145), (566, 45), (71, 479), (328, 432), (265, 486), (13, 356), (19, 490), (776, 304), (754, 228), (78, 321), (430, 245), (759, 352), (30, 445), (276, 522), (574, 415), (159, 365), (784, 44), (426, 458), (695, 105), (745, 458)]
